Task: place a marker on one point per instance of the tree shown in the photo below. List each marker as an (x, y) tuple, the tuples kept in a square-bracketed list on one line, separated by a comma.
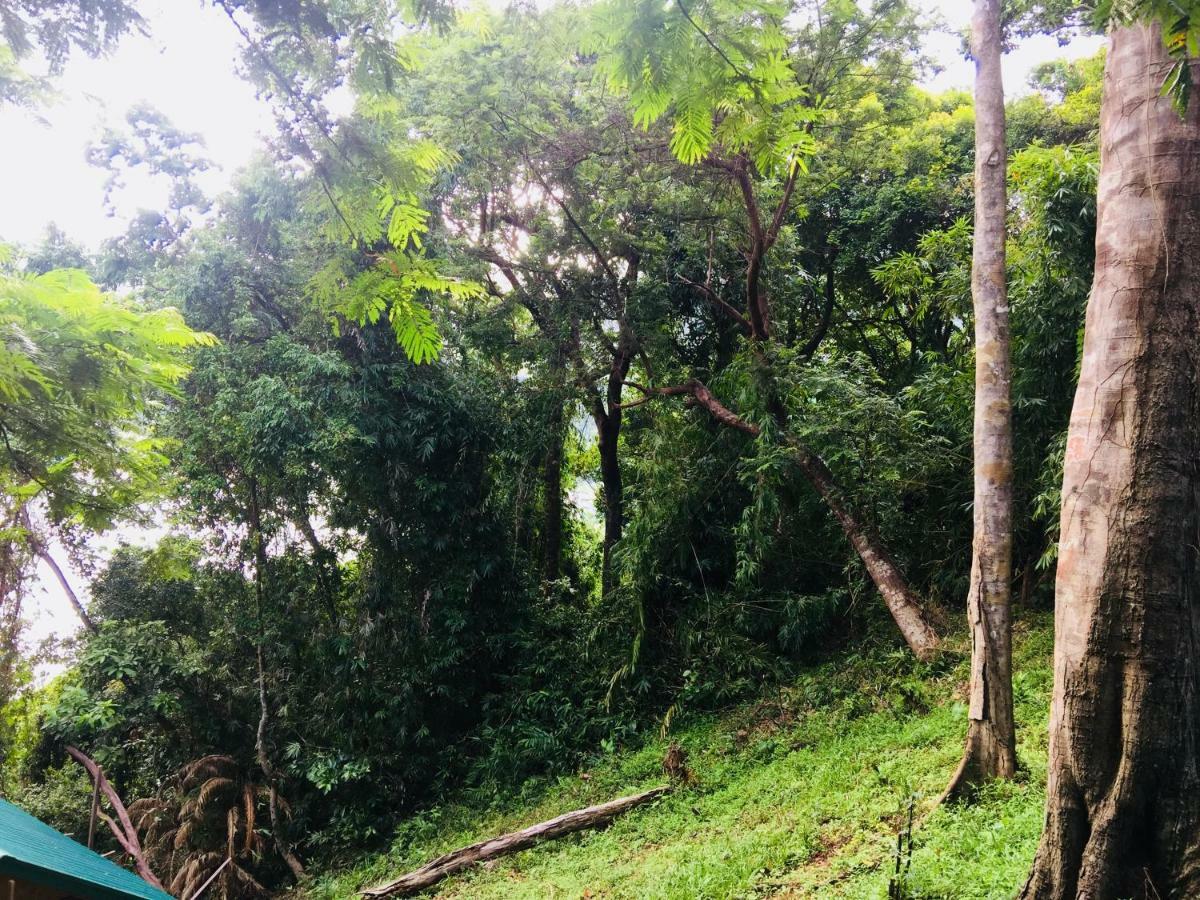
[(56, 28), (79, 372), (1121, 816), (991, 748), (734, 82)]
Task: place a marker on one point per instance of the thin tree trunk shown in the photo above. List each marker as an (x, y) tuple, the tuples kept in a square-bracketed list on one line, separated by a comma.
[(991, 746), (608, 427), (609, 417), (324, 560), (122, 829), (264, 717), (552, 491), (901, 601), (1122, 816), (43, 553)]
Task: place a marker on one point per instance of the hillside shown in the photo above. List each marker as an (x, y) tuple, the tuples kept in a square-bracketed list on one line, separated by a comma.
[(801, 794)]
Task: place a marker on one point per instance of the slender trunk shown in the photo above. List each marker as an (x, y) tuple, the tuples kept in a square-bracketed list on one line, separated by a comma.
[(609, 417), (991, 746), (43, 553), (324, 560), (264, 716), (1122, 818), (122, 828), (830, 301), (608, 427), (902, 602), (552, 484)]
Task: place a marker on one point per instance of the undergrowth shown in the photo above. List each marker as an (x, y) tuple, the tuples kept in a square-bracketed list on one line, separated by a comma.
[(804, 793)]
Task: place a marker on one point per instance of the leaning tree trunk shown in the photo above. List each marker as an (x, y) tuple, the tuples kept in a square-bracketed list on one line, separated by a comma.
[(991, 746), (1122, 815), (901, 601)]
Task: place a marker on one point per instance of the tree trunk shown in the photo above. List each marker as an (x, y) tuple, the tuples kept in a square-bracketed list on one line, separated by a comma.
[(42, 552), (264, 717), (901, 601), (1122, 817), (122, 829), (991, 746), (552, 521), (608, 427)]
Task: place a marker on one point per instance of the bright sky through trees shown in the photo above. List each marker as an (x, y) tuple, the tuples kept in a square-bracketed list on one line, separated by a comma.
[(186, 67)]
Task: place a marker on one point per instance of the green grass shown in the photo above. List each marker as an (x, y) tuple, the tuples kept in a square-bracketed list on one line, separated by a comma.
[(801, 794)]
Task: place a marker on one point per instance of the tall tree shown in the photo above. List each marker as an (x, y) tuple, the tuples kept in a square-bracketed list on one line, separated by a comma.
[(1121, 815), (991, 749), (745, 99)]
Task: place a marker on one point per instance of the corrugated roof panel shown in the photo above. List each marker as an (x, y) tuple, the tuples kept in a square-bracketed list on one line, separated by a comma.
[(33, 851)]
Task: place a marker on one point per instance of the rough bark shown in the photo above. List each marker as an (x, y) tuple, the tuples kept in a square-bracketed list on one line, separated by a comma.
[(991, 745), (465, 857), (1122, 817)]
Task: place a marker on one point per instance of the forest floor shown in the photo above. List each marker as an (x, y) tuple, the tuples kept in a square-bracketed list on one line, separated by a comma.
[(803, 793)]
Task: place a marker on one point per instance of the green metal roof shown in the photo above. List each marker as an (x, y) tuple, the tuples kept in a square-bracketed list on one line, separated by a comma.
[(33, 851)]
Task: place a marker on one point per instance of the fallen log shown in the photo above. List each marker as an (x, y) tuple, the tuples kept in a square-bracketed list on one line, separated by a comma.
[(465, 857)]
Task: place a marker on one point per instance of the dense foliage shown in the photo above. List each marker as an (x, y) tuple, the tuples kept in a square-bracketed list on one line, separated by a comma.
[(445, 504)]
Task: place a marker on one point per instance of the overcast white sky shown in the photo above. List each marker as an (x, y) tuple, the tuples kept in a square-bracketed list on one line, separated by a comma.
[(186, 67)]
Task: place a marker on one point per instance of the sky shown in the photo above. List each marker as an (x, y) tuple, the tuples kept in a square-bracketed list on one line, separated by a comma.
[(187, 68)]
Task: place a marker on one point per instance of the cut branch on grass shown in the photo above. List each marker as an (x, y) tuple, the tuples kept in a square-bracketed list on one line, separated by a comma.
[(458, 860)]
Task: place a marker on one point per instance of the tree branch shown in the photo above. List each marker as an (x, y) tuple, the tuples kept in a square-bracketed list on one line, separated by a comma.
[(716, 300), (125, 833)]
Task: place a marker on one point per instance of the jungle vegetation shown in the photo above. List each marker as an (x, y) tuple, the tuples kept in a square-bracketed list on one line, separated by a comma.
[(606, 366)]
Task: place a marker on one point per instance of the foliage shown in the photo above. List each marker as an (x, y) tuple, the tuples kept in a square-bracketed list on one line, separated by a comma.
[(54, 29), (798, 792), (79, 372), (450, 321)]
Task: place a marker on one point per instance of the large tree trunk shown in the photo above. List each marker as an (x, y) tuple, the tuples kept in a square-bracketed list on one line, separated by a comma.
[(991, 746), (1122, 816)]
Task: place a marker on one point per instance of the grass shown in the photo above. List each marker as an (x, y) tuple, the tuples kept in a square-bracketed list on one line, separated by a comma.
[(802, 794)]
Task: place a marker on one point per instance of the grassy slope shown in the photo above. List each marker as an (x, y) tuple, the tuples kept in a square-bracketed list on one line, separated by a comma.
[(799, 795)]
